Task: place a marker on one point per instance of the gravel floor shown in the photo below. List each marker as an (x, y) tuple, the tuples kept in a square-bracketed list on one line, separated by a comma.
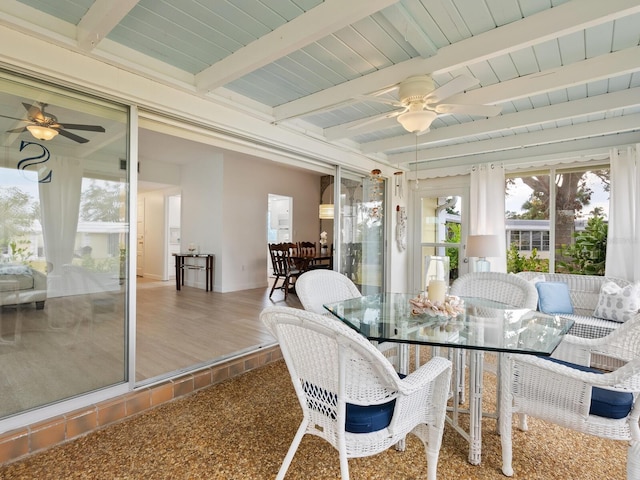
[(241, 429)]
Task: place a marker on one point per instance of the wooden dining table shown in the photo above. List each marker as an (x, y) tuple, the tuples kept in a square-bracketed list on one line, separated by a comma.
[(309, 262)]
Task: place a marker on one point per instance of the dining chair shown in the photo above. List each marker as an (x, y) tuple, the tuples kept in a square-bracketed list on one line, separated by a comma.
[(351, 258), (500, 287), (567, 391), (318, 287), (497, 286), (283, 268), (307, 249), (350, 395)]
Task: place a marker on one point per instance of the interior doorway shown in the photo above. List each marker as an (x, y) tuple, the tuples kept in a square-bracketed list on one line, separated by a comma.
[(173, 233), (279, 222)]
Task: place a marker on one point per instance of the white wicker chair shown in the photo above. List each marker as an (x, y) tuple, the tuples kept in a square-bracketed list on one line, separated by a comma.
[(337, 375), (499, 287), (564, 393), (317, 287)]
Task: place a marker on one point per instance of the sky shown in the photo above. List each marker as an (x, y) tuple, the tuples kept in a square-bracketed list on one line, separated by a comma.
[(520, 194)]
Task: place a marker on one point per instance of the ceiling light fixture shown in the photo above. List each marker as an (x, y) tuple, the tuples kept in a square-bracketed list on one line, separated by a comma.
[(326, 210), (41, 132), (417, 120)]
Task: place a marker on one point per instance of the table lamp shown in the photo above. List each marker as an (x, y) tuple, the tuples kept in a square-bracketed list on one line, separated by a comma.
[(483, 246)]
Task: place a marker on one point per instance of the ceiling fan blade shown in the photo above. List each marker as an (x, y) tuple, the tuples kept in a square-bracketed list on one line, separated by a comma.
[(14, 118), (377, 118), (72, 136), (457, 85), (17, 130), (74, 126), (371, 98), (385, 90), (34, 113), (476, 110)]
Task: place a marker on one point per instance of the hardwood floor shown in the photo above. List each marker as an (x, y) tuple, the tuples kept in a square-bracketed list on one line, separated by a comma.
[(179, 329), (77, 344)]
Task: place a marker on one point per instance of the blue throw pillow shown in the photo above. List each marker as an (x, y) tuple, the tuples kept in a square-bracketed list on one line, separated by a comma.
[(554, 298)]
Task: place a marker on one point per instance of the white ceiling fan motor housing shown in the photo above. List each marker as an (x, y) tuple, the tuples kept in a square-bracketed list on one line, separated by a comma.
[(414, 89)]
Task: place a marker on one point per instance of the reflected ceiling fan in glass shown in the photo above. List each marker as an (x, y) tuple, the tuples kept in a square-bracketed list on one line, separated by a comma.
[(45, 126)]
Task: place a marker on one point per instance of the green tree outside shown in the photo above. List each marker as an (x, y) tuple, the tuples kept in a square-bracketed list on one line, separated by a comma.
[(587, 255), (17, 214)]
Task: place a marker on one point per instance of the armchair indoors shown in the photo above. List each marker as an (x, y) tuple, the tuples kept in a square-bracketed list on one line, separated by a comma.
[(566, 391), (350, 395)]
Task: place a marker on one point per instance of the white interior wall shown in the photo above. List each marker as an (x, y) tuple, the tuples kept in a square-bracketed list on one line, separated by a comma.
[(158, 171), (201, 213), (247, 185)]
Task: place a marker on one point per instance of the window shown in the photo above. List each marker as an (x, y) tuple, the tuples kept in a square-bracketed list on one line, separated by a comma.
[(555, 208)]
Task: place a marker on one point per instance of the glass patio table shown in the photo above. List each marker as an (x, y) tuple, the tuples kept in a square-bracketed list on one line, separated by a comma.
[(483, 325)]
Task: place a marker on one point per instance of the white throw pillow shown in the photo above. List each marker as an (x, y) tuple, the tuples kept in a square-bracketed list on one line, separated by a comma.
[(616, 303)]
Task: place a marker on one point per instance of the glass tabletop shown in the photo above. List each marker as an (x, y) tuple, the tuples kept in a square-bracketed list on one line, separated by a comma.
[(481, 325)]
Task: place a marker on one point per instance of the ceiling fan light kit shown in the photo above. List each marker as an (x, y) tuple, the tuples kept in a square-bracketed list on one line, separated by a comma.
[(418, 121), (41, 132), (420, 102)]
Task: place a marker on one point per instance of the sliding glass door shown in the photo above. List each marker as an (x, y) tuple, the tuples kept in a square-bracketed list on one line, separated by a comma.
[(362, 230), (63, 244)]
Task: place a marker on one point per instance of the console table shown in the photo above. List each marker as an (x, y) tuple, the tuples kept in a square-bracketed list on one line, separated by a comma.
[(181, 266)]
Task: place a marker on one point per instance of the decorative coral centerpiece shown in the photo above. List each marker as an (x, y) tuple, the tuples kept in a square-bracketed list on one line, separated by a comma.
[(450, 308)]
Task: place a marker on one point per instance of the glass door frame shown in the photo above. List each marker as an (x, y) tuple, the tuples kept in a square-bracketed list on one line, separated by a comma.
[(440, 187), (339, 210)]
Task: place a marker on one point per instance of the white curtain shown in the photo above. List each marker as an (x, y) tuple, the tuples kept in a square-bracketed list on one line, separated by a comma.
[(623, 239), (59, 210), (487, 208)]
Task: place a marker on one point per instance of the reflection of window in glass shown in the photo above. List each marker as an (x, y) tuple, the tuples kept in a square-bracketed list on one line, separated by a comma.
[(76, 256)]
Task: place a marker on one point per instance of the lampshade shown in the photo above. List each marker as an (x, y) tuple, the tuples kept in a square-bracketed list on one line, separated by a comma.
[(483, 246), (417, 121), (42, 133), (326, 211)]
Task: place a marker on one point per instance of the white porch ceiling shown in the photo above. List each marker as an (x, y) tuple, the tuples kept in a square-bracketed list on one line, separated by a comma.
[(566, 73)]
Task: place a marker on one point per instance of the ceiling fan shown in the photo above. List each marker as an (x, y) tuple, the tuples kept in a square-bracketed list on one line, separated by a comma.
[(45, 126), (420, 102)]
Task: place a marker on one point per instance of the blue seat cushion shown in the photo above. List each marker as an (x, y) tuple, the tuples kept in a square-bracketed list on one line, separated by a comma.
[(360, 418), (604, 403), (369, 418)]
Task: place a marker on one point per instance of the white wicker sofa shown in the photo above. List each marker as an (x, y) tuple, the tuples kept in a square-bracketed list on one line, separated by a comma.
[(21, 284), (584, 291)]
